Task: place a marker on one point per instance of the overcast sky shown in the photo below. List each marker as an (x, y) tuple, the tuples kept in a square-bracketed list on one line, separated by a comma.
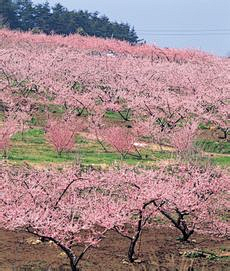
[(202, 24)]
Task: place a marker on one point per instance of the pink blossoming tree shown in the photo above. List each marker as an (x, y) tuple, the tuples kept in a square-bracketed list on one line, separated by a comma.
[(6, 131), (61, 134), (182, 139), (55, 207), (191, 198), (121, 139)]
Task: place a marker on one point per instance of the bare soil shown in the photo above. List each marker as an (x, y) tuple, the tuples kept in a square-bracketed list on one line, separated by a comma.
[(158, 251)]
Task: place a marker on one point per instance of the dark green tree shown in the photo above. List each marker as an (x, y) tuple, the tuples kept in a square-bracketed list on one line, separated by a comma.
[(60, 20), (8, 13), (42, 17), (25, 14)]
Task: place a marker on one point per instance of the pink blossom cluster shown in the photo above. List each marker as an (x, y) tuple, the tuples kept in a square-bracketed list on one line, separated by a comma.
[(182, 139), (98, 46), (78, 206), (119, 138), (161, 88), (61, 134), (6, 132)]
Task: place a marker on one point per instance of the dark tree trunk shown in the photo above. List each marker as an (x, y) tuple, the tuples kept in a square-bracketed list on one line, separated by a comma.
[(131, 252), (134, 240), (4, 156), (179, 223), (73, 263), (102, 145), (225, 135), (74, 260), (139, 154), (186, 233), (80, 111), (125, 116)]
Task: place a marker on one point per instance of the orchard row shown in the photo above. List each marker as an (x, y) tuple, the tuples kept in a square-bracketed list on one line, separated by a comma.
[(156, 92), (77, 206), (160, 94)]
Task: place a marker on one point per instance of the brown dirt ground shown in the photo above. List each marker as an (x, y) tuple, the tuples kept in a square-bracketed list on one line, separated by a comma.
[(159, 251)]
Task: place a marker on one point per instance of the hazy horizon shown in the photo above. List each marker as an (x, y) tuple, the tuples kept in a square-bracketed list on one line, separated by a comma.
[(199, 24)]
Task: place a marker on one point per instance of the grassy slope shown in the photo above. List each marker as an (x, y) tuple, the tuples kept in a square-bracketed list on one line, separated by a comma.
[(35, 149)]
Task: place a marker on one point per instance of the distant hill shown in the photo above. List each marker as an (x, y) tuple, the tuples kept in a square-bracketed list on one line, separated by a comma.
[(24, 15)]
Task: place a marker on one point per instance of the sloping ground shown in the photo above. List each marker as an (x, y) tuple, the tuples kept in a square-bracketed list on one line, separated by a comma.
[(35, 150), (158, 250)]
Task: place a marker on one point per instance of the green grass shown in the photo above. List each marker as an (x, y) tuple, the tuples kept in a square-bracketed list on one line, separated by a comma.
[(210, 255), (32, 147), (115, 116), (31, 136), (214, 146), (222, 161), (91, 152), (1, 116), (39, 119), (204, 126)]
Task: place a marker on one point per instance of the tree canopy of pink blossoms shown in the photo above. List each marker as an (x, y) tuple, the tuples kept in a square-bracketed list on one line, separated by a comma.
[(159, 93), (61, 134), (190, 197), (61, 206), (6, 131), (119, 138), (167, 85), (182, 139)]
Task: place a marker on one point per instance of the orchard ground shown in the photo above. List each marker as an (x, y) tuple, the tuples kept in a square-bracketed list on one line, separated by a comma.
[(158, 250), (32, 147)]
